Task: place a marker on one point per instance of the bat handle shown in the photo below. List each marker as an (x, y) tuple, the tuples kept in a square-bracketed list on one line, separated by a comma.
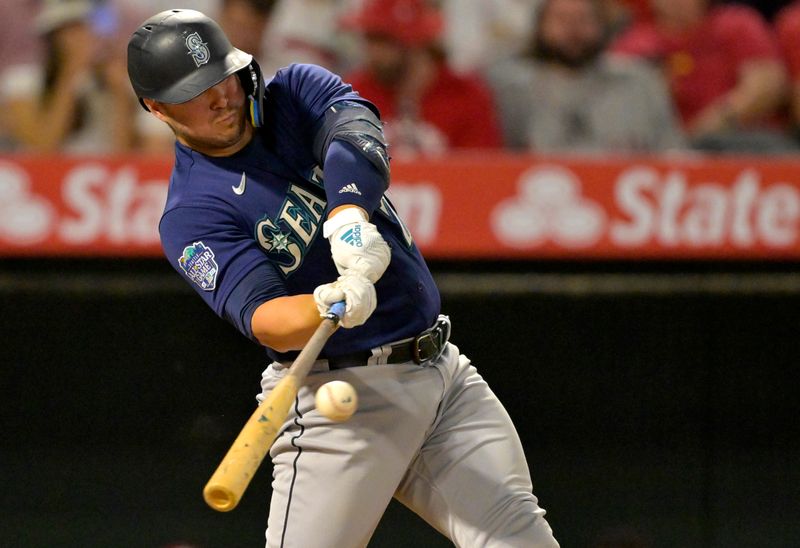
[(336, 311)]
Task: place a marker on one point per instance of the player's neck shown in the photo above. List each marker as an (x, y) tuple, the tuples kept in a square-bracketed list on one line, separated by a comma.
[(216, 151)]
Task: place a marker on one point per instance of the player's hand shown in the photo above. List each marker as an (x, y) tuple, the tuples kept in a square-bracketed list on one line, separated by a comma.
[(356, 291), (356, 245)]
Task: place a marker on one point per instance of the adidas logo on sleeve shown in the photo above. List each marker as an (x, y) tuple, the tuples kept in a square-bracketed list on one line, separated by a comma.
[(351, 187)]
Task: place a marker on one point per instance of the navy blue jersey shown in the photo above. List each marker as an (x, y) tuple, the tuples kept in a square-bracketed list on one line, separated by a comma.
[(255, 217)]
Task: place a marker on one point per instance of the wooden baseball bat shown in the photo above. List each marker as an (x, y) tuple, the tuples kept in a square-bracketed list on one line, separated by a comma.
[(225, 488)]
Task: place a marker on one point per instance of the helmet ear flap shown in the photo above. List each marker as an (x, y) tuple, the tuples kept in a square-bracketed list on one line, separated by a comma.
[(253, 84)]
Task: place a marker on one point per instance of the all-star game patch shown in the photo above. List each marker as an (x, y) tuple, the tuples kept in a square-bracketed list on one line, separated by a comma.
[(199, 265)]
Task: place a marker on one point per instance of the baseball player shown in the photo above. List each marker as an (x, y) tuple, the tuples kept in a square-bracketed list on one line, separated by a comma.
[(276, 210)]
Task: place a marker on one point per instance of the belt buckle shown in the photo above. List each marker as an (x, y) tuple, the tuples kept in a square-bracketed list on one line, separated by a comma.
[(415, 347), (438, 335)]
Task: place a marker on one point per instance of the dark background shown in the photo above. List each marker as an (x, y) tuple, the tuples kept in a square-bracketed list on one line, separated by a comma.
[(652, 408)]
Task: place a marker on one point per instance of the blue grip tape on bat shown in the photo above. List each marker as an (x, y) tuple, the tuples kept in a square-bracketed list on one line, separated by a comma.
[(336, 311)]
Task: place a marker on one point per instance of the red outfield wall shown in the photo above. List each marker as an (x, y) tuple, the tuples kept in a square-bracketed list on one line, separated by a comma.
[(467, 206)]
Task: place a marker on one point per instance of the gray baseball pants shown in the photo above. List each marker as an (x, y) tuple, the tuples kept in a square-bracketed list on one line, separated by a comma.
[(435, 437)]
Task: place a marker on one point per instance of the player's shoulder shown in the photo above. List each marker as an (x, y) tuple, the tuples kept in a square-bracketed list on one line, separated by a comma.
[(302, 92), (184, 219), (304, 69), (297, 74), (195, 182)]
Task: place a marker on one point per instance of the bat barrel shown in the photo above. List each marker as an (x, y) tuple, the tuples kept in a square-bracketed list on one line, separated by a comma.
[(220, 498), (228, 483)]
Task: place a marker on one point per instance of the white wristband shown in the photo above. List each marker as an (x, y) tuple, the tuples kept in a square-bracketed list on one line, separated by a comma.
[(344, 217)]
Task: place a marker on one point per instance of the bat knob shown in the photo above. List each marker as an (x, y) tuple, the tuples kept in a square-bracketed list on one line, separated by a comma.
[(336, 311)]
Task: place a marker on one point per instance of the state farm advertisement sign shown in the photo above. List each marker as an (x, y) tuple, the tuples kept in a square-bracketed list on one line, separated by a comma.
[(64, 206), (470, 206), (630, 208)]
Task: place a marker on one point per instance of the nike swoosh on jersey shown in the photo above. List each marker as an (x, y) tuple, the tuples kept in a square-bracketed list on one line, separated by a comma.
[(239, 190)]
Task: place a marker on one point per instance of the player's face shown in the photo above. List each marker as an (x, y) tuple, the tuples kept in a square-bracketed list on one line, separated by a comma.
[(213, 122)]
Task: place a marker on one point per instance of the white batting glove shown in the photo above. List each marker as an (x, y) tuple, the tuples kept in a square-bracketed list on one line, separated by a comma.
[(356, 291), (356, 244)]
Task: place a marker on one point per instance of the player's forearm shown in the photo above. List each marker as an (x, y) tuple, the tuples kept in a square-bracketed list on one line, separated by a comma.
[(351, 178), (286, 323)]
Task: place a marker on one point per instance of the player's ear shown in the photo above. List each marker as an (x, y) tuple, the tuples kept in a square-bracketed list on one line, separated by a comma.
[(156, 108)]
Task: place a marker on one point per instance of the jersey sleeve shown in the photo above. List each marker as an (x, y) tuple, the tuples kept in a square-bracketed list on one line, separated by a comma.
[(352, 179), (221, 262), (307, 91)]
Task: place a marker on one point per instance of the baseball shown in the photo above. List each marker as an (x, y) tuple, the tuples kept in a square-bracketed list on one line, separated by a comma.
[(337, 400)]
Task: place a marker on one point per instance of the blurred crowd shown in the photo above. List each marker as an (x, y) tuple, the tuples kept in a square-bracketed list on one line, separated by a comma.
[(563, 76)]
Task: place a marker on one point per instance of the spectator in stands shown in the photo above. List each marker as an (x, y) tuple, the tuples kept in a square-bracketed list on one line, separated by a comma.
[(724, 69), (767, 8), (19, 44), (280, 33), (787, 24), (79, 99), (479, 32), (308, 31), (18, 41), (638, 10), (245, 23), (151, 7), (621, 14), (428, 108), (566, 94)]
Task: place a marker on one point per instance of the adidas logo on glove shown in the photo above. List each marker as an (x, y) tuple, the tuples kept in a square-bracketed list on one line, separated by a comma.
[(353, 236), (352, 188)]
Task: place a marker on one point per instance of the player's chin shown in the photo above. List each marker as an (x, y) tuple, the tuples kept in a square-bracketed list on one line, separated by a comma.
[(230, 131), (230, 123)]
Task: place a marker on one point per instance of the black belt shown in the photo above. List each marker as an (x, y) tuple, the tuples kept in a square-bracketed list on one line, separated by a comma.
[(421, 349)]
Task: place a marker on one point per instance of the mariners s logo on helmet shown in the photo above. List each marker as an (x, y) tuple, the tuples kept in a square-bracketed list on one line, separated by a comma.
[(198, 49)]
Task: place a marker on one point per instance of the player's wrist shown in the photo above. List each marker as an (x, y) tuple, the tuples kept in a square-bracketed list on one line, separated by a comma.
[(356, 290), (343, 217), (359, 247)]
